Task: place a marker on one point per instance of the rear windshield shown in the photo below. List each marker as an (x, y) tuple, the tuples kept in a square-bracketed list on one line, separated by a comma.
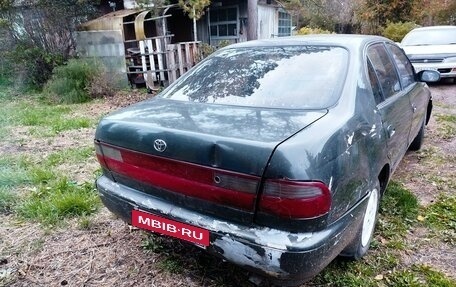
[(296, 77), (430, 37)]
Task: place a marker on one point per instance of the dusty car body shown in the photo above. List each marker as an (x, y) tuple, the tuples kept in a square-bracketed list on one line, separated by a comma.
[(432, 48), (280, 187)]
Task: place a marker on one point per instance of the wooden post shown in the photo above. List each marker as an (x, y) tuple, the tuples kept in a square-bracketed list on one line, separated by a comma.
[(171, 61), (158, 44), (180, 59), (150, 48), (252, 24)]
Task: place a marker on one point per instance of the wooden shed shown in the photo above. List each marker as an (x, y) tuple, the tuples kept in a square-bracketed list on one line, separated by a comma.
[(137, 43)]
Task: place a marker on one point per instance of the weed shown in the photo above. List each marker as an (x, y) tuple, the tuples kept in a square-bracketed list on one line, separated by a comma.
[(85, 223), (172, 264), (154, 244)]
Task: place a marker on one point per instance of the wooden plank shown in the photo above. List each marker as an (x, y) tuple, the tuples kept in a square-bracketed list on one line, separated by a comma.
[(150, 47), (158, 44), (188, 63), (151, 38), (171, 63), (180, 59), (150, 19), (142, 49)]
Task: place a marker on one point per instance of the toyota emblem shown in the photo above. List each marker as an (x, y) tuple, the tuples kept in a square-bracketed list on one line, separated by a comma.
[(160, 145)]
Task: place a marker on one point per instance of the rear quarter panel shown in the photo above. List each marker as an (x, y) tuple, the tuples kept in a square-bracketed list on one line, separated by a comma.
[(346, 149)]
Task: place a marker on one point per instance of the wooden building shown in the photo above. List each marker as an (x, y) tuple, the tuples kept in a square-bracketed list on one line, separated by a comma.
[(156, 45)]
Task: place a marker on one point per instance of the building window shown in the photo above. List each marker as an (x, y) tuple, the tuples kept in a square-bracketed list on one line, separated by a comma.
[(284, 24), (224, 23)]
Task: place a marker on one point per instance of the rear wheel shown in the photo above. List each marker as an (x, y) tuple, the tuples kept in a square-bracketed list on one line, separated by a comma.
[(358, 248)]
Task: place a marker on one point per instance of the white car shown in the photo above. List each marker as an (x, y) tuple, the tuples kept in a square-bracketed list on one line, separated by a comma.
[(432, 48)]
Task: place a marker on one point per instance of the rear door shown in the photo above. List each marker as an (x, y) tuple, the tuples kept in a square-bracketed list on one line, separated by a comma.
[(394, 103)]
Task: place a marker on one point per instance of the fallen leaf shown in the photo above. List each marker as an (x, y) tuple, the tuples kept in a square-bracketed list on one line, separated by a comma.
[(379, 277), (420, 218)]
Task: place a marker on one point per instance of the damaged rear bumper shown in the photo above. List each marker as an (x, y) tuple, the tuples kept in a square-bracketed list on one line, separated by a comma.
[(284, 257)]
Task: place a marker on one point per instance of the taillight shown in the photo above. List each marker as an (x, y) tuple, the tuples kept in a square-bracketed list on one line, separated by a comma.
[(295, 199), (210, 184)]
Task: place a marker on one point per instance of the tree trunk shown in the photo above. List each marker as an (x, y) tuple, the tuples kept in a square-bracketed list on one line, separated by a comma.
[(195, 36)]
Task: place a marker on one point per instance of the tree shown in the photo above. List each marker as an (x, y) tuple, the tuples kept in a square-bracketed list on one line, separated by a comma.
[(42, 34), (436, 12), (375, 13), (195, 10), (47, 24)]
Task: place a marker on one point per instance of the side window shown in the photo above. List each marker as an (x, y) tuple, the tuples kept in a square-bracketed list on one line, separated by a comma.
[(374, 83), (403, 65), (384, 69)]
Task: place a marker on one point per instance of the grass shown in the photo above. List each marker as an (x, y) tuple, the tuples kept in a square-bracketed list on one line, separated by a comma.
[(7, 200), (13, 171), (60, 200), (43, 120), (399, 210), (441, 217), (73, 155), (419, 276), (447, 127), (47, 195), (53, 197)]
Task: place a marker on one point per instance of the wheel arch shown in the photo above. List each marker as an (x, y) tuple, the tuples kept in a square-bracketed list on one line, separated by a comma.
[(383, 177), (429, 111)]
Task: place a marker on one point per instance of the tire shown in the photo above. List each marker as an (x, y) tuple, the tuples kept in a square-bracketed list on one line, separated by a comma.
[(360, 244), (417, 142)]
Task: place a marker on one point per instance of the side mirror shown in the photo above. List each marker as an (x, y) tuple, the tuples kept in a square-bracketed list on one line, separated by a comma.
[(428, 76)]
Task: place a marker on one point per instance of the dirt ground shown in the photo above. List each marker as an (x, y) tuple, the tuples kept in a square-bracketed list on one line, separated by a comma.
[(109, 253)]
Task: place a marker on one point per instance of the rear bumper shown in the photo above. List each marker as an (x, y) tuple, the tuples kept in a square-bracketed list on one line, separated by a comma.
[(288, 258)]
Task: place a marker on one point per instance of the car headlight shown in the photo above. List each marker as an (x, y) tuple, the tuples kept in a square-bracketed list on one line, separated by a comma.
[(450, 60)]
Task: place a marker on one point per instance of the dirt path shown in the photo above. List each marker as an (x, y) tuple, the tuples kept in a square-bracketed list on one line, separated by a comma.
[(106, 252)]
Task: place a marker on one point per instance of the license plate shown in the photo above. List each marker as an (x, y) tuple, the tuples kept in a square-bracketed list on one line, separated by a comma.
[(168, 227)]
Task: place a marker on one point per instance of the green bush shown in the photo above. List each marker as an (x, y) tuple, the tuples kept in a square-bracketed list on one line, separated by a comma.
[(397, 31), (32, 66), (69, 83), (309, 30)]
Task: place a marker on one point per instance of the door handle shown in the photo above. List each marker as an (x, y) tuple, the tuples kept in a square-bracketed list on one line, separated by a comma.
[(391, 131), (413, 107)]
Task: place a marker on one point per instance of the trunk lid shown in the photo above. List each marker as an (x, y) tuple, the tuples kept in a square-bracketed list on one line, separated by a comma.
[(222, 148)]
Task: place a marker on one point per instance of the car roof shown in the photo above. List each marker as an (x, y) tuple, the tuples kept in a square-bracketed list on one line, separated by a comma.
[(344, 40), (430, 28)]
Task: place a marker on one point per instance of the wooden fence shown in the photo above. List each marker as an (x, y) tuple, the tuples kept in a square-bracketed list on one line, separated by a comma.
[(180, 58)]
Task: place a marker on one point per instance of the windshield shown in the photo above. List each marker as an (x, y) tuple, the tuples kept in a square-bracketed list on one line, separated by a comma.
[(296, 77), (430, 37)]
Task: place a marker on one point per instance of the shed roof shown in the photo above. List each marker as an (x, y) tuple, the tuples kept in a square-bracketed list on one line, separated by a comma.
[(101, 23)]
